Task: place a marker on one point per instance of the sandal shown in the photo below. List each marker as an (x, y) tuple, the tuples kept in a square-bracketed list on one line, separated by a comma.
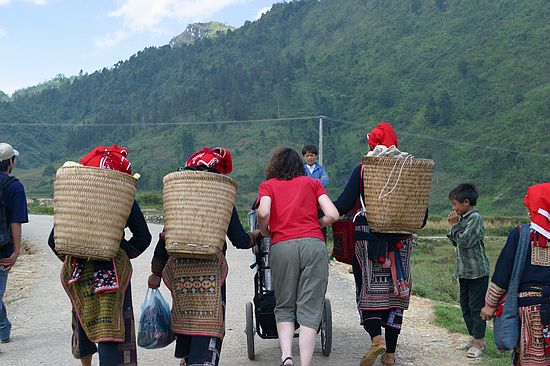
[(474, 352), (388, 359), (287, 364), (466, 345)]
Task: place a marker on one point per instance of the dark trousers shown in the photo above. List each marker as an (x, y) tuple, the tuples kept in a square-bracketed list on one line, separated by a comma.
[(472, 300)]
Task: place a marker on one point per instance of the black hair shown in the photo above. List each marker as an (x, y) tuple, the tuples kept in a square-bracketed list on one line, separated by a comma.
[(309, 148), (463, 192), (284, 164), (4, 164)]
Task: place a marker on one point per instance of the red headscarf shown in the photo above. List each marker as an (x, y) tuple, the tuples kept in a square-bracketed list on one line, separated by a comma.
[(537, 201), (382, 134), (218, 158), (112, 157)]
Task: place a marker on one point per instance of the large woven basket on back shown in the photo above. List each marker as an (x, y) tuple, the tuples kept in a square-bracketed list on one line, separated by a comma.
[(397, 191), (91, 208), (197, 211)]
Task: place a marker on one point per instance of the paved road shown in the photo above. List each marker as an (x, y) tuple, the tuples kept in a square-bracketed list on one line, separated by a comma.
[(41, 322)]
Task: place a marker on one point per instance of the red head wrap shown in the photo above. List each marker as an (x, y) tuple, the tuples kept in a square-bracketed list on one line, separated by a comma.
[(382, 134), (112, 157), (537, 201), (218, 158)]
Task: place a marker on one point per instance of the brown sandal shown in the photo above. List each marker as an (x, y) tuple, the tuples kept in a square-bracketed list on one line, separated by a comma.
[(388, 359)]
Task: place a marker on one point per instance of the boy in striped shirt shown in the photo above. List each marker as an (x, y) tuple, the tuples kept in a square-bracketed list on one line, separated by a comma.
[(472, 265)]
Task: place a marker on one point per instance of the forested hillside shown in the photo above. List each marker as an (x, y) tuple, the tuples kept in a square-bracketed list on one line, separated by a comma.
[(466, 83)]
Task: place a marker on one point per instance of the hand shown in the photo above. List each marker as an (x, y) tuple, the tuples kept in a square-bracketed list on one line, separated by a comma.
[(488, 312), (9, 262), (452, 218), (153, 281)]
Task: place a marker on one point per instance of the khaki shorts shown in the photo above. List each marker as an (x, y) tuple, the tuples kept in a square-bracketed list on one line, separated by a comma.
[(300, 275)]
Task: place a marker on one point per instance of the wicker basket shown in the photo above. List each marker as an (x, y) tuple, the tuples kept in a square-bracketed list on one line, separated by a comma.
[(91, 209), (197, 211), (397, 191)]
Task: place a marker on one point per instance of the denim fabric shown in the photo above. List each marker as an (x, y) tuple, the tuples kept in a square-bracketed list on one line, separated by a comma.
[(5, 325)]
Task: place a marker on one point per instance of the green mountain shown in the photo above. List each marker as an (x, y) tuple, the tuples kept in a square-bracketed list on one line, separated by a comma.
[(464, 83), (197, 31)]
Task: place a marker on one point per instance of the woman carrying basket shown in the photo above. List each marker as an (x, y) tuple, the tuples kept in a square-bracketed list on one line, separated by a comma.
[(288, 206), (381, 265), (100, 291), (197, 319), (533, 292)]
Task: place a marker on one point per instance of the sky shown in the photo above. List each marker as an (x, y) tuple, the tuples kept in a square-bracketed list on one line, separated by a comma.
[(40, 39)]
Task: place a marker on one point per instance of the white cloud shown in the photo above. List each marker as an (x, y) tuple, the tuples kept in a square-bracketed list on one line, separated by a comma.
[(139, 15), (262, 12), (3, 33), (36, 2), (112, 39), (4, 2)]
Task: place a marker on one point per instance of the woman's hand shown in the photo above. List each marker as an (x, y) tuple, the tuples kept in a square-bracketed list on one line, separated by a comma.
[(254, 237), (153, 281), (488, 312)]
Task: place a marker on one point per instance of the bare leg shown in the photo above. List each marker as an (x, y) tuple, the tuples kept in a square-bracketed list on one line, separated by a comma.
[(308, 336), (86, 361), (286, 333)]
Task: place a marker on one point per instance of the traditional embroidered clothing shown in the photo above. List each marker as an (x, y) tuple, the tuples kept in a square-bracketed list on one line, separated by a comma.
[(198, 285), (383, 277), (218, 158), (534, 287)]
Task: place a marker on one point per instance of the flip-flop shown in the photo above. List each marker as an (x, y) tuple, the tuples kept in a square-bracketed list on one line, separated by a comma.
[(474, 352), (287, 364)]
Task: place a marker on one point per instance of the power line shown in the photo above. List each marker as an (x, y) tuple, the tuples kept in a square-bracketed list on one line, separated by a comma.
[(141, 124)]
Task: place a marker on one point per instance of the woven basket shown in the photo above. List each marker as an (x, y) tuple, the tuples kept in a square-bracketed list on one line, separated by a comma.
[(397, 191), (197, 211), (91, 209)]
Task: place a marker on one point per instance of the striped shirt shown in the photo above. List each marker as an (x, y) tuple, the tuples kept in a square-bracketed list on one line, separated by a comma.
[(467, 236)]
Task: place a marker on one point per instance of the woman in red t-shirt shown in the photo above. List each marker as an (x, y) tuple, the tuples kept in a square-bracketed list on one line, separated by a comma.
[(287, 212)]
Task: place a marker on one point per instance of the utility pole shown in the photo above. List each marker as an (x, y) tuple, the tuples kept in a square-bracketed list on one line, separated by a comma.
[(321, 139)]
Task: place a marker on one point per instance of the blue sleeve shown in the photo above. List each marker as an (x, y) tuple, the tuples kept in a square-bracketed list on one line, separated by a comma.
[(324, 177), (141, 237), (236, 233), (346, 201), (16, 203), (505, 262)]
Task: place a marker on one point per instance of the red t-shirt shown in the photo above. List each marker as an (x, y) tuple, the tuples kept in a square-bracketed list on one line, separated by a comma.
[(293, 208)]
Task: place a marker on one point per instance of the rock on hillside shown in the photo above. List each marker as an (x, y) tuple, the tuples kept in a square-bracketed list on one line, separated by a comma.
[(199, 30)]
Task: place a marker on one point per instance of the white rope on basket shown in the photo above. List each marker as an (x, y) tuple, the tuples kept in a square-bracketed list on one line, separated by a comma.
[(380, 195)]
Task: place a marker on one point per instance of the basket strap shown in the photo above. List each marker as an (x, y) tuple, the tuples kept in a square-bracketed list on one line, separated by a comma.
[(380, 195), (363, 208)]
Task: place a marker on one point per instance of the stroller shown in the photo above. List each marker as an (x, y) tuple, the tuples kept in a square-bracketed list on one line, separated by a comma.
[(264, 300)]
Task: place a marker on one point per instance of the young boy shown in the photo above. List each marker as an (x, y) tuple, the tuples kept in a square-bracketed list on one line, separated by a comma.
[(472, 265), (313, 169)]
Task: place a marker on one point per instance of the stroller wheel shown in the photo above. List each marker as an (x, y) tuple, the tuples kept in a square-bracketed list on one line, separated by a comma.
[(326, 328), (250, 330)]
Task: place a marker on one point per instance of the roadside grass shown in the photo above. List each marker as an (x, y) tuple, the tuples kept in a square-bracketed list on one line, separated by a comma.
[(433, 262), (494, 226)]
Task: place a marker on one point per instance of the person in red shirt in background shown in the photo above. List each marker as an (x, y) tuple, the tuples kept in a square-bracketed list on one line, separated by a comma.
[(288, 203)]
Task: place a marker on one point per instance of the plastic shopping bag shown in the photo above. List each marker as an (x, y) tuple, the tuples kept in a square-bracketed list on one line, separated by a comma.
[(155, 323)]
